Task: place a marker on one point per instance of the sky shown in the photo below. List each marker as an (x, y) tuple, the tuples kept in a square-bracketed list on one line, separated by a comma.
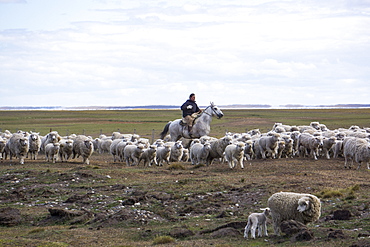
[(146, 52)]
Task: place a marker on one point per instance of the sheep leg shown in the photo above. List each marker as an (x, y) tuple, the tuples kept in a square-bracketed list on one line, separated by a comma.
[(246, 230)]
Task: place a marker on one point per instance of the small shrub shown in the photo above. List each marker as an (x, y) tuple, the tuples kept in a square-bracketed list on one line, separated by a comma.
[(163, 240)]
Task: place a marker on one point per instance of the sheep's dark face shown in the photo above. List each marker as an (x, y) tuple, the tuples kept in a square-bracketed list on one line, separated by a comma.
[(303, 204)]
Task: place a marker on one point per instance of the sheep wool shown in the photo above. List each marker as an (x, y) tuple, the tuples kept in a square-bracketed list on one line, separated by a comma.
[(304, 208)]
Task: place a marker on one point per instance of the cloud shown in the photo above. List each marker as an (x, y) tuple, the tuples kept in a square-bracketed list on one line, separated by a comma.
[(148, 52)]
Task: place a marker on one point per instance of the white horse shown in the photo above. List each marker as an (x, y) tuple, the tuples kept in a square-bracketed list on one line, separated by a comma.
[(201, 125)]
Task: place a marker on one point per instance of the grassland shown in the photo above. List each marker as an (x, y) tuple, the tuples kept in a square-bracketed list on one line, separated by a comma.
[(110, 204)]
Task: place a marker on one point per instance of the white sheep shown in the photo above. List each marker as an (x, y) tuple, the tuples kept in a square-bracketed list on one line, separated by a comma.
[(113, 147), (177, 151), (2, 147), (51, 151), (104, 144), (234, 154), (257, 220), (83, 146), (218, 148), (51, 137), (304, 208), (132, 154), (149, 155), (356, 149), (66, 149), (120, 148), (248, 150), (17, 146), (269, 145), (163, 154), (327, 144), (34, 141), (199, 153), (310, 143)]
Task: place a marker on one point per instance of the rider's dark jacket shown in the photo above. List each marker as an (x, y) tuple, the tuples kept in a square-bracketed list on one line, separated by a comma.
[(185, 108)]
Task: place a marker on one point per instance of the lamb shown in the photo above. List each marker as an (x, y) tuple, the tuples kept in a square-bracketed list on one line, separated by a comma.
[(309, 143), (185, 155), (248, 150), (34, 141), (269, 145), (66, 149), (149, 155), (304, 208), (288, 147), (163, 154), (199, 153), (51, 151), (132, 154), (257, 220), (234, 154), (218, 148), (356, 149), (83, 146), (17, 146)]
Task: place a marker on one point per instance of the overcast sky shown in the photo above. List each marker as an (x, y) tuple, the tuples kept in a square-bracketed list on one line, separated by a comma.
[(124, 53)]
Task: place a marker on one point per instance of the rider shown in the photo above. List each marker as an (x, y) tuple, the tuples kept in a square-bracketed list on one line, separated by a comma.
[(190, 111)]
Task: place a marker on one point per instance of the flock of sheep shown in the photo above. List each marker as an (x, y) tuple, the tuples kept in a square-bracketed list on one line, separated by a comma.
[(283, 141)]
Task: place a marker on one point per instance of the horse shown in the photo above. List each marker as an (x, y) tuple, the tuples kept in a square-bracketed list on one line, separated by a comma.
[(201, 126)]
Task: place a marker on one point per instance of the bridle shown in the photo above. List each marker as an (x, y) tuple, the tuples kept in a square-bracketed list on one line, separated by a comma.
[(214, 111)]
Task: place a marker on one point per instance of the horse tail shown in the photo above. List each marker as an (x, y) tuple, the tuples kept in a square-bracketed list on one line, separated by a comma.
[(165, 130)]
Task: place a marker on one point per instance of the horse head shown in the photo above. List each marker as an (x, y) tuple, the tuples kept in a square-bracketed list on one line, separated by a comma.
[(216, 111)]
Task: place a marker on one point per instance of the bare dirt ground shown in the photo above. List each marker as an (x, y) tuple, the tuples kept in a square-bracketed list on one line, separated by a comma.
[(110, 204)]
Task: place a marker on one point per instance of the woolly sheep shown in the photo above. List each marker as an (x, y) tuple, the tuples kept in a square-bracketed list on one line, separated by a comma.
[(51, 137), (176, 151), (309, 143), (199, 153), (327, 144), (17, 146), (163, 154), (66, 149), (104, 144), (304, 208), (356, 149), (34, 141), (149, 155), (257, 220), (51, 151), (234, 154), (288, 147), (83, 146), (120, 148), (218, 148), (269, 145), (132, 154), (2, 147), (113, 147)]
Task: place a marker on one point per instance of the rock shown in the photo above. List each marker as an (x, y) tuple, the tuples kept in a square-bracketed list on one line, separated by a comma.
[(342, 214), (291, 227), (181, 232), (303, 235), (10, 216), (335, 234), (226, 232)]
